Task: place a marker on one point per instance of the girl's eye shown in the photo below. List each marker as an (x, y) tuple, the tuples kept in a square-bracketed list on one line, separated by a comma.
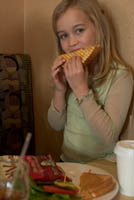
[(63, 36), (79, 30)]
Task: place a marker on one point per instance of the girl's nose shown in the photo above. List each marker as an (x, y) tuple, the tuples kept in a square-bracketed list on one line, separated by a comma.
[(73, 40)]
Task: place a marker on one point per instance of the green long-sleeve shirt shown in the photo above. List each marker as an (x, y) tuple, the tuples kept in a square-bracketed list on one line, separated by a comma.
[(92, 127)]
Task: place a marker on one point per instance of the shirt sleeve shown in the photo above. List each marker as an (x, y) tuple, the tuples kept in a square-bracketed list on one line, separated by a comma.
[(56, 119), (107, 121)]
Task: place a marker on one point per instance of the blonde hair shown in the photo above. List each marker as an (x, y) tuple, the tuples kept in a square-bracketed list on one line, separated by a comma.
[(104, 32)]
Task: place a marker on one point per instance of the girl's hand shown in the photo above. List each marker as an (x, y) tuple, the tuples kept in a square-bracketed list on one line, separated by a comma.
[(77, 76), (58, 75)]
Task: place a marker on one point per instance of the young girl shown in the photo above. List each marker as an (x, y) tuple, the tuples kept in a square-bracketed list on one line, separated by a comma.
[(90, 103)]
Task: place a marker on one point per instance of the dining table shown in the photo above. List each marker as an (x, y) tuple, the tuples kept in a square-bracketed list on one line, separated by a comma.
[(110, 167)]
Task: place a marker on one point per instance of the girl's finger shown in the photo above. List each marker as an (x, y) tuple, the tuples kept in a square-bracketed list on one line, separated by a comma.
[(57, 63), (55, 72)]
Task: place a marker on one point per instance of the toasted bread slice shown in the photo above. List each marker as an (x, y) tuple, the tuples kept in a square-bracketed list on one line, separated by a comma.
[(89, 180), (103, 190), (94, 185), (87, 55)]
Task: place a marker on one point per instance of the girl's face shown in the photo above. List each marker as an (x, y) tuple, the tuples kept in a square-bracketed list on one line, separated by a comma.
[(75, 30)]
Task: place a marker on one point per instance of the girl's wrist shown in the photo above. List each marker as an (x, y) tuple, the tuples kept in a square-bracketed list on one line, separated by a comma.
[(60, 92), (80, 94), (83, 98), (59, 100)]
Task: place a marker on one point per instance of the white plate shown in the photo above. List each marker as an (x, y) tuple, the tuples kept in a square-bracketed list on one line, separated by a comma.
[(74, 170)]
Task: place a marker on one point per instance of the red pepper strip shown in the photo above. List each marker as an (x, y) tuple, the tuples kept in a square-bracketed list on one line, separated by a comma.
[(55, 189)]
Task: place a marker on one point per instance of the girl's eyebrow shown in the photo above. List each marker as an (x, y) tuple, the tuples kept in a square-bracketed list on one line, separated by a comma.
[(59, 32), (79, 25), (75, 26)]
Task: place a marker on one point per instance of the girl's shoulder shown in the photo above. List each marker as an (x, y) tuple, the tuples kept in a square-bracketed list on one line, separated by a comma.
[(117, 72), (119, 67), (120, 70)]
